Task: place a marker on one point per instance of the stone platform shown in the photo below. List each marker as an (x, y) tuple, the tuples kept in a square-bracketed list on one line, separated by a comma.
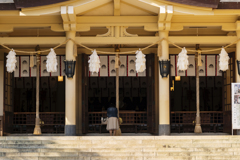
[(120, 148)]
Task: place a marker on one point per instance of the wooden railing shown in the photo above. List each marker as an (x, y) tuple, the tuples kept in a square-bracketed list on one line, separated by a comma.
[(1, 125), (53, 122), (133, 121), (184, 121)]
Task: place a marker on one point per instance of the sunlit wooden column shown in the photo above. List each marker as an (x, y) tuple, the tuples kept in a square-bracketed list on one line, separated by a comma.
[(70, 91), (237, 55), (164, 107)]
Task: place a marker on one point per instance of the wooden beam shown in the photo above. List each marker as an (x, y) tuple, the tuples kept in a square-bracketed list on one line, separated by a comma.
[(213, 40), (180, 40), (117, 5)]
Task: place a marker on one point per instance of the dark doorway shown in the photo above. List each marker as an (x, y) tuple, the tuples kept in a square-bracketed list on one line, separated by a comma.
[(136, 96)]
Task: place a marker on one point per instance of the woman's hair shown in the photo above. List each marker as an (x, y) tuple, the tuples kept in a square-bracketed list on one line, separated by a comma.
[(111, 105)]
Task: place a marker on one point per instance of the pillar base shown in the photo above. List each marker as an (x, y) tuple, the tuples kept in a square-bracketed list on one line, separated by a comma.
[(164, 129), (70, 130)]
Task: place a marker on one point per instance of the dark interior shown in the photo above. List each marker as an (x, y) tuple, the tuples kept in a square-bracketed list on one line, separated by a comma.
[(51, 96), (183, 98), (132, 93)]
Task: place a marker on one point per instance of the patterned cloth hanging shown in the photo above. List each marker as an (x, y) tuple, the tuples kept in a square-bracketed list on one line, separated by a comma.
[(223, 60), (182, 63), (140, 61), (51, 62), (94, 62), (11, 61)]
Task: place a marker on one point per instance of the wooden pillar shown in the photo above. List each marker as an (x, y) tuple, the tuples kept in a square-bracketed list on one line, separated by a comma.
[(198, 128), (70, 91), (237, 55), (164, 107), (37, 129), (117, 79)]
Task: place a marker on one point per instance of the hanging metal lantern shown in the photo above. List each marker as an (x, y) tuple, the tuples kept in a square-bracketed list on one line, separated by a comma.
[(238, 66), (69, 68), (164, 68)]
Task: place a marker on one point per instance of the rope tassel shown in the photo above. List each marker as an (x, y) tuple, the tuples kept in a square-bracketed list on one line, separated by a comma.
[(52, 61), (94, 62), (223, 60), (11, 61), (140, 61), (182, 63)]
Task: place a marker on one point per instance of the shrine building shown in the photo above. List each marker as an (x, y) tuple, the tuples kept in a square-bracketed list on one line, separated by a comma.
[(148, 102)]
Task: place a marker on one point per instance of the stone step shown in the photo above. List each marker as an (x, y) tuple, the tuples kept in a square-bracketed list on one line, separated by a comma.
[(158, 145), (120, 148), (74, 138), (118, 154)]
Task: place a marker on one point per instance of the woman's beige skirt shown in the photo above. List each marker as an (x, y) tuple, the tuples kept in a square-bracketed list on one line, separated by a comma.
[(112, 123)]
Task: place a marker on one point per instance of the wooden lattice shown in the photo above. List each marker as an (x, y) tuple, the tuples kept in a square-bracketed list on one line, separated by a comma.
[(53, 122)]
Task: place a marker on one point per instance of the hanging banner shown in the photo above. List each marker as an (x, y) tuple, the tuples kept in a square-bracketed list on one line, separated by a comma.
[(131, 67), (143, 82), (235, 106), (123, 66), (16, 72), (127, 92), (111, 83), (19, 82), (127, 82), (191, 67), (58, 68), (112, 92), (62, 70), (218, 72), (102, 82), (202, 82), (93, 82), (202, 69), (104, 92), (27, 83), (135, 82), (24, 66), (210, 81), (33, 70), (111, 69), (185, 82), (210, 65), (44, 83), (104, 66), (44, 72), (135, 92), (53, 82)]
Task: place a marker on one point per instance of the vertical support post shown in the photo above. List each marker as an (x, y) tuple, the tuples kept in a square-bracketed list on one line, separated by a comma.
[(237, 55), (37, 129), (70, 91), (164, 107), (198, 128), (117, 80)]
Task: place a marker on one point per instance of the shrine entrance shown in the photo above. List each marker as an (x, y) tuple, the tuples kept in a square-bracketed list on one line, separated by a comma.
[(137, 106), (215, 96), (20, 98)]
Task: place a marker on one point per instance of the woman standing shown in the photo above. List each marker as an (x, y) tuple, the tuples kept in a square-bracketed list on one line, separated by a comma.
[(112, 124)]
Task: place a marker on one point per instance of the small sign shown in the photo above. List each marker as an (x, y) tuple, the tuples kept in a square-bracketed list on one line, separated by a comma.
[(235, 105)]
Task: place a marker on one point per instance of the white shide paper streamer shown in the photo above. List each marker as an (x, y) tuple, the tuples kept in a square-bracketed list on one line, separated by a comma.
[(11, 61)]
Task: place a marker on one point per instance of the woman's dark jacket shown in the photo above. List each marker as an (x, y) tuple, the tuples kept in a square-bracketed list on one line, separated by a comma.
[(112, 112)]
